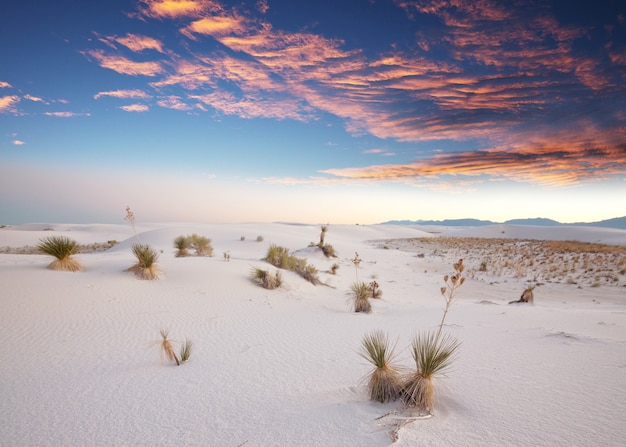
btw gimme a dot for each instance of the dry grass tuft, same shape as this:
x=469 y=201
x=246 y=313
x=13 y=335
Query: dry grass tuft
x=385 y=381
x=62 y=248
x=167 y=349
x=360 y=293
x=265 y=279
x=433 y=356
x=146 y=267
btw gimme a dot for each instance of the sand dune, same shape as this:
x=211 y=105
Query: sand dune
x=81 y=365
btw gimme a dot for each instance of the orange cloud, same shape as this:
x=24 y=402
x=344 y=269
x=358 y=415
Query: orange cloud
x=4 y=84
x=215 y=26
x=173 y=102
x=139 y=43
x=177 y=8
x=123 y=94
x=125 y=66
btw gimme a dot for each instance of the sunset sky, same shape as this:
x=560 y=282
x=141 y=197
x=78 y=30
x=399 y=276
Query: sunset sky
x=319 y=111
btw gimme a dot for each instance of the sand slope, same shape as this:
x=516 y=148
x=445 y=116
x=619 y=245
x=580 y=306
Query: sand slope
x=275 y=368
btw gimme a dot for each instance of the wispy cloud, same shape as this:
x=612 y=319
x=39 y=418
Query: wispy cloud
x=123 y=65
x=133 y=94
x=138 y=43
x=135 y=108
x=18 y=142
x=4 y=84
x=7 y=103
x=65 y=114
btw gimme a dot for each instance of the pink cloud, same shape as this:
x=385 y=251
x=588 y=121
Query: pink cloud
x=138 y=43
x=65 y=114
x=4 y=84
x=123 y=94
x=135 y=108
x=18 y=142
x=7 y=103
x=125 y=66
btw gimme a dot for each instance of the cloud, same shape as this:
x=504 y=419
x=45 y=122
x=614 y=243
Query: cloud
x=138 y=43
x=7 y=103
x=18 y=142
x=172 y=9
x=125 y=66
x=66 y=114
x=123 y=94
x=4 y=84
x=215 y=26
x=33 y=98
x=173 y=102
x=135 y=108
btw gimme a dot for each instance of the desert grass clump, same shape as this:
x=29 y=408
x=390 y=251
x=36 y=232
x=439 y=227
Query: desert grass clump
x=265 y=279
x=360 y=294
x=202 y=245
x=145 y=267
x=374 y=289
x=527 y=296
x=62 y=248
x=185 y=350
x=334 y=268
x=167 y=349
x=279 y=257
x=385 y=381
x=182 y=245
x=433 y=356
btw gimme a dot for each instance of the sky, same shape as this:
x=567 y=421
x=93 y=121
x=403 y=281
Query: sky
x=317 y=111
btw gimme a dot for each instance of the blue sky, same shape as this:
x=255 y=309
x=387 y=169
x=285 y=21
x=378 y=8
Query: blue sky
x=358 y=111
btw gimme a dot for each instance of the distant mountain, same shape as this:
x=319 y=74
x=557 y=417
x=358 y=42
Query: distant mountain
x=446 y=223
x=539 y=221
x=618 y=222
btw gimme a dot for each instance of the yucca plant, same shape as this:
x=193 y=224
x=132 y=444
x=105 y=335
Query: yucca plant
x=146 y=267
x=62 y=248
x=266 y=279
x=277 y=256
x=360 y=294
x=185 y=350
x=433 y=356
x=202 y=245
x=182 y=245
x=385 y=381
x=167 y=349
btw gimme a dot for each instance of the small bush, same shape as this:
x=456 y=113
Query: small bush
x=185 y=350
x=279 y=257
x=62 y=248
x=265 y=279
x=334 y=268
x=182 y=244
x=202 y=245
x=360 y=294
x=259 y=238
x=167 y=349
x=385 y=381
x=433 y=356
x=146 y=267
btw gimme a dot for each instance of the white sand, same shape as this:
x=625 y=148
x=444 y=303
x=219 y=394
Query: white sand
x=281 y=367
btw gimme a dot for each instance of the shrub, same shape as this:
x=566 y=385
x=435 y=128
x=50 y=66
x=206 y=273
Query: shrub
x=385 y=381
x=328 y=250
x=146 y=267
x=182 y=244
x=432 y=355
x=334 y=268
x=360 y=294
x=62 y=248
x=202 y=245
x=266 y=279
x=279 y=257
x=259 y=238
x=374 y=289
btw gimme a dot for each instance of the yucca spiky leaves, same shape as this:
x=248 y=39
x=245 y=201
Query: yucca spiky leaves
x=433 y=355
x=62 y=248
x=384 y=381
x=360 y=294
x=146 y=267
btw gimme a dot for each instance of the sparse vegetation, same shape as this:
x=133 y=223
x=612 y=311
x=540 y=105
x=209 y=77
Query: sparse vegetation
x=259 y=238
x=167 y=349
x=145 y=267
x=360 y=293
x=62 y=248
x=185 y=350
x=182 y=244
x=432 y=356
x=374 y=289
x=265 y=279
x=202 y=245
x=385 y=381
x=334 y=268
x=279 y=257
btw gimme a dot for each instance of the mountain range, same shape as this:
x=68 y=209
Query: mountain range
x=617 y=222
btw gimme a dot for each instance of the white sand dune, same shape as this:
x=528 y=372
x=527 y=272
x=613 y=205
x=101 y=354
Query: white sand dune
x=80 y=365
